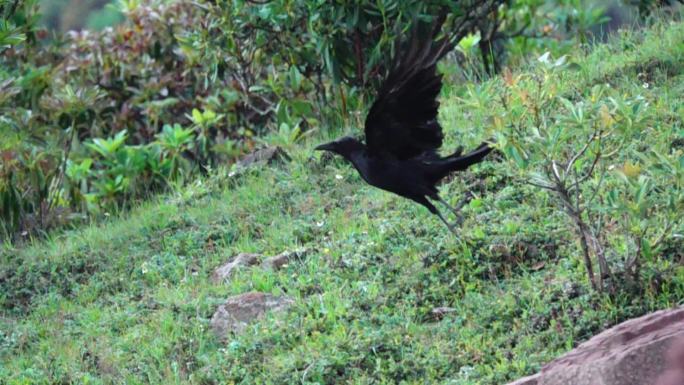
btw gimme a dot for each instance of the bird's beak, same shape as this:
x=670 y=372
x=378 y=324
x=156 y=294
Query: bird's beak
x=325 y=147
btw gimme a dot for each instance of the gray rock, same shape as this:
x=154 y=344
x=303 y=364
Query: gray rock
x=268 y=155
x=439 y=312
x=223 y=272
x=277 y=262
x=241 y=310
x=281 y=260
x=632 y=353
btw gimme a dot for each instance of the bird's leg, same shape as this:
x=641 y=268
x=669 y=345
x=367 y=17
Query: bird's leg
x=449 y=225
x=456 y=210
x=425 y=202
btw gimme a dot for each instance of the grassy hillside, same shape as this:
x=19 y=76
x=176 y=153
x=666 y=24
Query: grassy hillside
x=129 y=301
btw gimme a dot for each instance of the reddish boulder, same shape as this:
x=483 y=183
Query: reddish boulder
x=675 y=365
x=632 y=353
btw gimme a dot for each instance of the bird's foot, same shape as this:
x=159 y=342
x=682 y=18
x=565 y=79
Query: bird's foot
x=457 y=210
x=450 y=226
x=459 y=219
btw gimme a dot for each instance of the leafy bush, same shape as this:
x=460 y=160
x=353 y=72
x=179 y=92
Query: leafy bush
x=571 y=149
x=182 y=86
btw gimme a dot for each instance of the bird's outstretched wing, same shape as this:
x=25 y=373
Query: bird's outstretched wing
x=402 y=122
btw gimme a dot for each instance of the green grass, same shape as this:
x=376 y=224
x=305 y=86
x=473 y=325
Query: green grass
x=129 y=301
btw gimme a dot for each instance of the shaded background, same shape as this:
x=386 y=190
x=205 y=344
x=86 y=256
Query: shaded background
x=66 y=15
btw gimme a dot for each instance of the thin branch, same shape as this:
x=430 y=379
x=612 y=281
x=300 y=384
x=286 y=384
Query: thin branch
x=577 y=193
x=556 y=174
x=591 y=169
x=595 y=161
x=581 y=152
x=598 y=187
x=472 y=15
x=547 y=187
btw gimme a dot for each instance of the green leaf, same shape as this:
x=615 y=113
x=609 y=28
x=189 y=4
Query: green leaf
x=197 y=116
x=209 y=115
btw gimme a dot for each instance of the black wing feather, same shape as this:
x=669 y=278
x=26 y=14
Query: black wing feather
x=402 y=122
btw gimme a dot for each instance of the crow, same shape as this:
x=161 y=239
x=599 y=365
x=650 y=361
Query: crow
x=402 y=132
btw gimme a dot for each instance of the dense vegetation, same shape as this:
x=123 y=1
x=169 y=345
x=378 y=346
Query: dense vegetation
x=591 y=169
x=93 y=121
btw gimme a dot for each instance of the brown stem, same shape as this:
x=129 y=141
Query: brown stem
x=585 y=252
x=583 y=229
x=359 y=57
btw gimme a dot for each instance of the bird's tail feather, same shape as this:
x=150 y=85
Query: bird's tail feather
x=463 y=162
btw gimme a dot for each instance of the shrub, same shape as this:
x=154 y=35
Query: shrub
x=571 y=149
x=94 y=120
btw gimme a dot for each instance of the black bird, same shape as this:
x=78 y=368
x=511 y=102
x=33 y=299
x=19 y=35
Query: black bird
x=402 y=132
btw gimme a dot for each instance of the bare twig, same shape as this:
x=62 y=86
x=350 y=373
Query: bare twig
x=551 y=188
x=580 y=153
x=556 y=174
x=598 y=186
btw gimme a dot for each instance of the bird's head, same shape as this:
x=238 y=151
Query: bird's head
x=343 y=146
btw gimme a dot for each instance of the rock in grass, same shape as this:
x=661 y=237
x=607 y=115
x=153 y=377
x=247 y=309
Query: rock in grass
x=281 y=260
x=268 y=155
x=277 y=262
x=241 y=310
x=632 y=353
x=440 y=312
x=223 y=272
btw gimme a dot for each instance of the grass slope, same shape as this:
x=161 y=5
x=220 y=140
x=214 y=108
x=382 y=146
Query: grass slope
x=129 y=301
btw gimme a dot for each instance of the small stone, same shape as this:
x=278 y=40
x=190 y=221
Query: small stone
x=443 y=310
x=439 y=312
x=281 y=260
x=223 y=272
x=241 y=310
x=268 y=155
x=277 y=262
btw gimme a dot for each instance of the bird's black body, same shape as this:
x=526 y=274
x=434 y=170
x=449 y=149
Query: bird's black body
x=402 y=132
